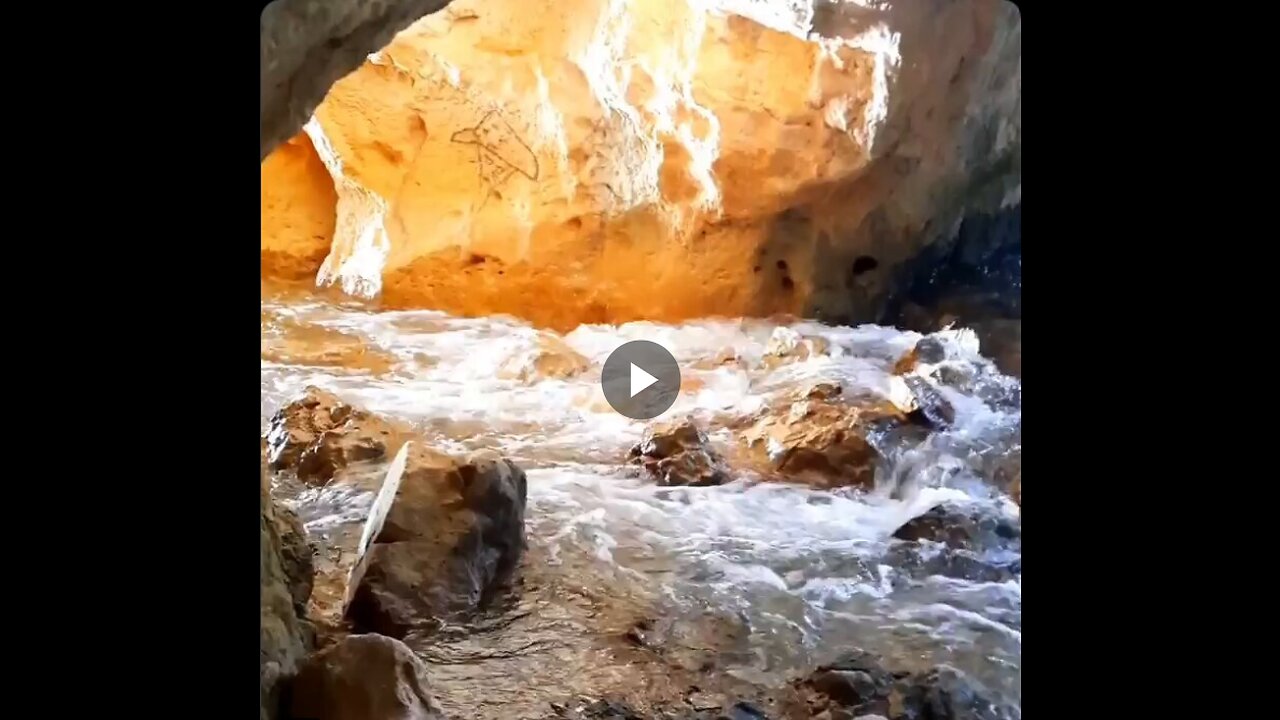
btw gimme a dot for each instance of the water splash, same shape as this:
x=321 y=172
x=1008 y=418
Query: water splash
x=785 y=576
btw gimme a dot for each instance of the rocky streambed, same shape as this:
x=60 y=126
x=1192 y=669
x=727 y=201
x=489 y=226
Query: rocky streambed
x=826 y=524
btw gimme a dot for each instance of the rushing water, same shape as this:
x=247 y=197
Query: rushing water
x=643 y=591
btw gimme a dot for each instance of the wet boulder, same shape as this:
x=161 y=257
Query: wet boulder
x=945 y=693
x=284 y=581
x=856 y=682
x=363 y=677
x=961 y=541
x=914 y=562
x=820 y=438
x=914 y=389
x=786 y=345
x=959 y=527
x=442 y=537
x=679 y=453
x=318 y=435
x=859 y=685
x=926 y=351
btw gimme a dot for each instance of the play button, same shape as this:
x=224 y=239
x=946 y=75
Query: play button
x=640 y=380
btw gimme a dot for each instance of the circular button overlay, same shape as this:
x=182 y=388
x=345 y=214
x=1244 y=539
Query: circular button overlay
x=640 y=380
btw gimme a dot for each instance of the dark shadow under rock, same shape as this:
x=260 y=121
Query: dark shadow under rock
x=443 y=536
x=679 y=453
x=363 y=677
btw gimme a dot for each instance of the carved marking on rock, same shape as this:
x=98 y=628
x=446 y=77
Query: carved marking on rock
x=500 y=152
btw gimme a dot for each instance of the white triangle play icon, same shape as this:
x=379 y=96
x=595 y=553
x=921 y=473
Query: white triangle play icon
x=640 y=380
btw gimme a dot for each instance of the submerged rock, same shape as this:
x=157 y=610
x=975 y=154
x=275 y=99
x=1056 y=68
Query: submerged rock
x=945 y=693
x=552 y=358
x=787 y=345
x=917 y=395
x=959 y=527
x=284 y=577
x=858 y=685
x=820 y=439
x=363 y=677
x=442 y=537
x=679 y=453
x=289 y=341
x=856 y=680
x=966 y=542
x=318 y=434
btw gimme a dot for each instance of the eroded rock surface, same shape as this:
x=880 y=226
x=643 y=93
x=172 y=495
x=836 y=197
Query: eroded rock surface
x=652 y=159
x=679 y=453
x=820 y=438
x=285 y=582
x=363 y=677
x=318 y=435
x=451 y=533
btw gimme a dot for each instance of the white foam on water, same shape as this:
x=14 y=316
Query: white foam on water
x=799 y=555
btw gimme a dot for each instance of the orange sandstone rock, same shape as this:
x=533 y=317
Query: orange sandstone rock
x=298 y=211
x=597 y=161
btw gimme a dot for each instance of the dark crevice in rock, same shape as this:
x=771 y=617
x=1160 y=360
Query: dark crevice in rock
x=972 y=280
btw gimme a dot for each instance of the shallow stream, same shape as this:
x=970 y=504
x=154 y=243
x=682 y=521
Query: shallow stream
x=670 y=595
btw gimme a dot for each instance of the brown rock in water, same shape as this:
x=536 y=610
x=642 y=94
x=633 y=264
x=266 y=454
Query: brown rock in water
x=284 y=577
x=364 y=677
x=552 y=358
x=786 y=345
x=442 y=536
x=924 y=403
x=319 y=434
x=820 y=438
x=679 y=453
x=1016 y=490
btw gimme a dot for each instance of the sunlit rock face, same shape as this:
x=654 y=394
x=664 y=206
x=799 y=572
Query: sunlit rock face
x=297 y=211
x=611 y=160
